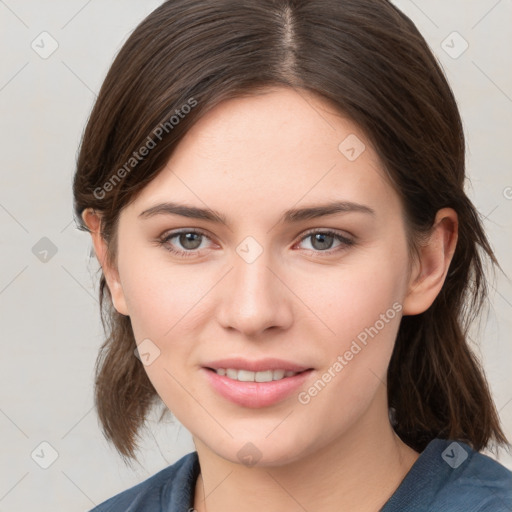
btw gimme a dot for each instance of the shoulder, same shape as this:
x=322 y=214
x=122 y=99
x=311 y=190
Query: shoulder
x=450 y=476
x=475 y=480
x=172 y=488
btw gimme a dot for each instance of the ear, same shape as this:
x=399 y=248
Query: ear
x=93 y=221
x=430 y=268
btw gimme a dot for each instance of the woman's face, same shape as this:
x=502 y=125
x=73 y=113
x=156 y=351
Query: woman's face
x=270 y=289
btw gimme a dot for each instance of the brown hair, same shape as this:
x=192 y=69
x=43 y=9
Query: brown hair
x=367 y=59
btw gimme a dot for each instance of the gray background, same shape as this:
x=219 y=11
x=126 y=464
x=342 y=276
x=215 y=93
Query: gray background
x=48 y=300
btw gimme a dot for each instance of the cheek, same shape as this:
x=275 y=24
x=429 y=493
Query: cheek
x=364 y=310
x=363 y=307
x=159 y=294
x=357 y=295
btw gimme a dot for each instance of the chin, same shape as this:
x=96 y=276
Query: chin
x=258 y=450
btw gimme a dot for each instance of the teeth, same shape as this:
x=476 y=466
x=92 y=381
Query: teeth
x=279 y=374
x=266 y=376
x=248 y=376
x=232 y=374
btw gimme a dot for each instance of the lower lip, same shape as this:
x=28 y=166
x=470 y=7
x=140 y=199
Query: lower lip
x=255 y=394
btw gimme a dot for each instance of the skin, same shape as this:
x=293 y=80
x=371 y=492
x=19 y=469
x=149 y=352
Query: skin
x=251 y=159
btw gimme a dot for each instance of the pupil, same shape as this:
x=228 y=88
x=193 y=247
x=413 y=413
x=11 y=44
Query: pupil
x=321 y=237
x=189 y=240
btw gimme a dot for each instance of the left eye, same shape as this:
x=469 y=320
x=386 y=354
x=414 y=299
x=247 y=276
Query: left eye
x=322 y=241
x=187 y=239
x=190 y=241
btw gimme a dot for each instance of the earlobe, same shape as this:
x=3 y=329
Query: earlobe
x=434 y=258
x=93 y=221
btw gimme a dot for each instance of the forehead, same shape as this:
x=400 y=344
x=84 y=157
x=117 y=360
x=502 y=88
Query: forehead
x=276 y=149
x=276 y=123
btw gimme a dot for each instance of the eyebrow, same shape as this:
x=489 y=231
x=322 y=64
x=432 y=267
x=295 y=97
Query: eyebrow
x=290 y=216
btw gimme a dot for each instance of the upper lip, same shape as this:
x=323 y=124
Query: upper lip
x=256 y=365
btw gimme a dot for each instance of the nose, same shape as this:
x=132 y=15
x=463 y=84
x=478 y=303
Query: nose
x=254 y=297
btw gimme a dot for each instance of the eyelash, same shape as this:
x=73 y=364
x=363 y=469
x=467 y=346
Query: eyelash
x=164 y=241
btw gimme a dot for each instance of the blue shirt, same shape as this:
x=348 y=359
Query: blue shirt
x=448 y=476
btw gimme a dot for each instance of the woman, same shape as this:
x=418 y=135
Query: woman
x=274 y=191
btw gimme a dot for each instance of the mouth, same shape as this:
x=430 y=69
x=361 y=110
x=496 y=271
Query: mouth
x=255 y=384
x=250 y=376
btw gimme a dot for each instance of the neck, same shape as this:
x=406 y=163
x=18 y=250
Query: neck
x=358 y=471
